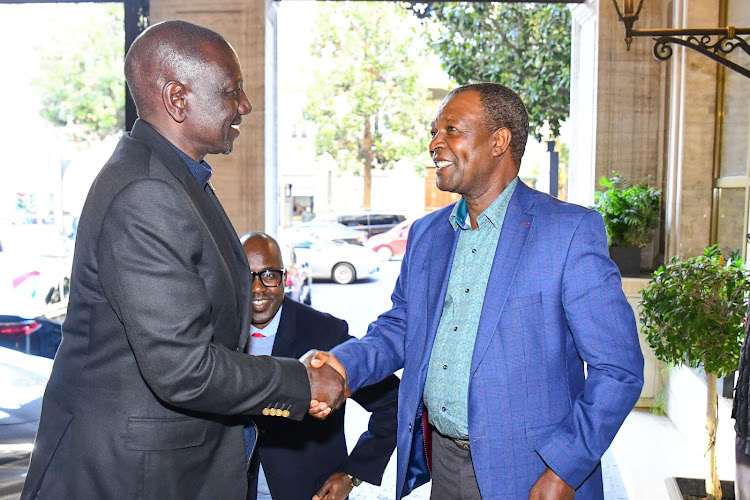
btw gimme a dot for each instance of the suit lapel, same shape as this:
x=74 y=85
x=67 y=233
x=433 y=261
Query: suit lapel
x=283 y=344
x=515 y=232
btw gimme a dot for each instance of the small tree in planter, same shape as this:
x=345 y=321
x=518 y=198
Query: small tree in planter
x=630 y=214
x=692 y=312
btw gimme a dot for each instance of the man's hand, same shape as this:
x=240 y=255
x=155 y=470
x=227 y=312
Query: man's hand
x=336 y=487
x=549 y=486
x=327 y=387
x=319 y=358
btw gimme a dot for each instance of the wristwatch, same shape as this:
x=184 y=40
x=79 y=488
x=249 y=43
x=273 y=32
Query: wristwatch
x=355 y=480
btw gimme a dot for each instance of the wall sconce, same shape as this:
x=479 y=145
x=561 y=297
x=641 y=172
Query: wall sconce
x=699 y=39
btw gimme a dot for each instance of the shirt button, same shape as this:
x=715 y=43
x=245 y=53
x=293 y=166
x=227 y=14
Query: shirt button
x=467 y=290
x=455 y=328
x=443 y=408
x=473 y=250
x=410 y=427
x=445 y=367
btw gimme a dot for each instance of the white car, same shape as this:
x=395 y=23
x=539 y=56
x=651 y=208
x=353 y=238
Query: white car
x=23 y=379
x=312 y=232
x=341 y=262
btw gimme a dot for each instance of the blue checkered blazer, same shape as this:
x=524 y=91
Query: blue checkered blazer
x=554 y=303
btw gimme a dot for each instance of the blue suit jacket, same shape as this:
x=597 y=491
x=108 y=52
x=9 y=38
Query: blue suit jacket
x=554 y=301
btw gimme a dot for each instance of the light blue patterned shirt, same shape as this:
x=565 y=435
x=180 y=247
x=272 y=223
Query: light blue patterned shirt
x=446 y=392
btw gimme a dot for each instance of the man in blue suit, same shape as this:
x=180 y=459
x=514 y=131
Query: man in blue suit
x=520 y=353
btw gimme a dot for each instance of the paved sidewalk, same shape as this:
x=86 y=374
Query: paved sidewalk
x=649 y=448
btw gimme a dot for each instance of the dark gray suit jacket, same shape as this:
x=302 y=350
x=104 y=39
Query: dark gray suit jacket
x=150 y=379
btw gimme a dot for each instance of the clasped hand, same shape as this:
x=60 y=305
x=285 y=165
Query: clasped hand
x=328 y=382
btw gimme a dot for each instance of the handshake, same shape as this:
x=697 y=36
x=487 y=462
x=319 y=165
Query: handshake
x=328 y=382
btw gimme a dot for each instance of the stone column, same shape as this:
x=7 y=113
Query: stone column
x=690 y=132
x=240 y=178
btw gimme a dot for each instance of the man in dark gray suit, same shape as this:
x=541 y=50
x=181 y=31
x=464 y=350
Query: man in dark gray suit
x=150 y=382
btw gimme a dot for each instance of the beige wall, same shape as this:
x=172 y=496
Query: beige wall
x=639 y=116
x=240 y=177
x=690 y=135
x=617 y=104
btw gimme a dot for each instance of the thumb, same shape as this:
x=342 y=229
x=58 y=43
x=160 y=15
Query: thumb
x=319 y=359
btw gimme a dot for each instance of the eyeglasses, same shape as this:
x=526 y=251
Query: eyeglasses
x=269 y=277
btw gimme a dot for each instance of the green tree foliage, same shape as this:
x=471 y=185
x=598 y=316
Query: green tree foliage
x=523 y=46
x=81 y=81
x=693 y=311
x=630 y=213
x=366 y=101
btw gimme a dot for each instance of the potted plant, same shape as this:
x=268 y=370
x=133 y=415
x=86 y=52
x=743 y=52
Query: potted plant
x=630 y=214
x=692 y=312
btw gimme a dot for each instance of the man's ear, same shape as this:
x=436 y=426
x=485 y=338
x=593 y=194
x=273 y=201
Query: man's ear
x=502 y=138
x=174 y=97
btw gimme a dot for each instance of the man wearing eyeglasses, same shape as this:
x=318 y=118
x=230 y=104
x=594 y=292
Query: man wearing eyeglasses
x=307 y=458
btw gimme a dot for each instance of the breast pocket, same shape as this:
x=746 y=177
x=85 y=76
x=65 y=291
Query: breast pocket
x=535 y=321
x=151 y=434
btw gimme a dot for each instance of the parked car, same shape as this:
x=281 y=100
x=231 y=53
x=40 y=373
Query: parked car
x=34 y=281
x=23 y=379
x=371 y=222
x=391 y=243
x=341 y=262
x=298 y=280
x=298 y=284
x=331 y=231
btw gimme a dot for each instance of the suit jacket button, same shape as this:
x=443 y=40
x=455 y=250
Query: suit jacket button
x=409 y=427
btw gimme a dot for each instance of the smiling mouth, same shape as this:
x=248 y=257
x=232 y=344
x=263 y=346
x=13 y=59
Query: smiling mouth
x=442 y=164
x=260 y=302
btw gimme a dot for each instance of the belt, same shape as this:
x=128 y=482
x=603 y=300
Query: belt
x=464 y=444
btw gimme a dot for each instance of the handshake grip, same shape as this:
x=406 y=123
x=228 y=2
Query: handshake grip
x=328 y=382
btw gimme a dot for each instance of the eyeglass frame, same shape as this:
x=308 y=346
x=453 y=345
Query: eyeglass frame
x=253 y=274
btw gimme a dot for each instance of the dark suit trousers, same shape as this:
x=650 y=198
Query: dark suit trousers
x=453 y=475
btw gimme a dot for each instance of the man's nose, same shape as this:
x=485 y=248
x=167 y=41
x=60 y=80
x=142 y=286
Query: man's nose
x=258 y=285
x=245 y=107
x=435 y=144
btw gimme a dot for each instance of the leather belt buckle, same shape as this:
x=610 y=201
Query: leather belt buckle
x=464 y=444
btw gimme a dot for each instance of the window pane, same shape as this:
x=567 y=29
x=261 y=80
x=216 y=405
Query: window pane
x=736 y=126
x=731 y=225
x=736 y=122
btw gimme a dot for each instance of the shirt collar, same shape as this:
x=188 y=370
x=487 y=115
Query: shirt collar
x=459 y=217
x=201 y=171
x=271 y=328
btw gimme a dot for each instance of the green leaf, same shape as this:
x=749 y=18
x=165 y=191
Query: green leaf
x=523 y=46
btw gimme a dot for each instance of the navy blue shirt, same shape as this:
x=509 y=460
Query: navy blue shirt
x=201 y=171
